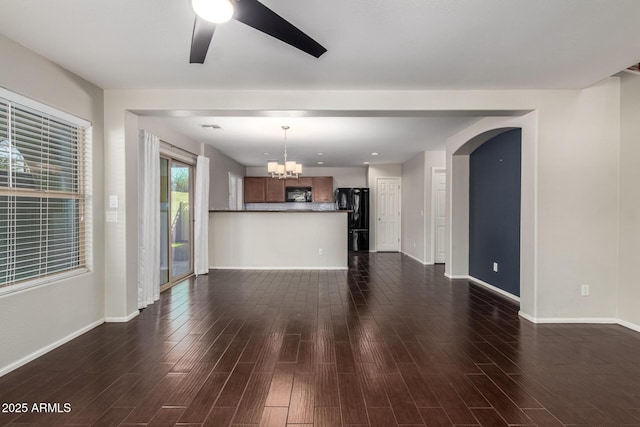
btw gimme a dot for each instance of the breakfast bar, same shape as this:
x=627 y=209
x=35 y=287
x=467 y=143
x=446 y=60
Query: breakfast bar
x=278 y=240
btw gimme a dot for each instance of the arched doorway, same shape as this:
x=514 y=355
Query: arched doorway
x=459 y=149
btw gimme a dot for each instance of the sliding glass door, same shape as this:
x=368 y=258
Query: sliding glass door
x=176 y=244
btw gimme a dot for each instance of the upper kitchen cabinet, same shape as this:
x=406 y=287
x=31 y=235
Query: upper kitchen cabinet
x=299 y=182
x=255 y=189
x=291 y=182
x=274 y=190
x=305 y=182
x=322 y=188
x=258 y=189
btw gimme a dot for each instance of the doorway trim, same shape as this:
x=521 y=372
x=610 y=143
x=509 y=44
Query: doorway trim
x=183 y=161
x=434 y=203
x=399 y=180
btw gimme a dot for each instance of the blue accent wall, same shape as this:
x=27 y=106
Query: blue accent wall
x=494 y=211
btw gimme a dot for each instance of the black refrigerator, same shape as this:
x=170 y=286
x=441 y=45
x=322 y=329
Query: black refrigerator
x=355 y=200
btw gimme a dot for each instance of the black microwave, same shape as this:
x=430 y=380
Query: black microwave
x=298 y=194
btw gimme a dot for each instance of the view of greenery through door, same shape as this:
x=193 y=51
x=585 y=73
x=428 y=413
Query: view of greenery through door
x=175 y=219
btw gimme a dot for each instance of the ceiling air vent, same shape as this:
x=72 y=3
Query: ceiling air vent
x=212 y=127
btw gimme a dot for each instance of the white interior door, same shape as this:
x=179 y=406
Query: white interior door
x=439 y=195
x=388 y=215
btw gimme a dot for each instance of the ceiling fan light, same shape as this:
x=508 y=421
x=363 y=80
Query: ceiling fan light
x=217 y=11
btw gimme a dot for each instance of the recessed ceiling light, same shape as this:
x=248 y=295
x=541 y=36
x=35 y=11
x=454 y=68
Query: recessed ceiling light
x=366 y=163
x=375 y=153
x=320 y=154
x=266 y=154
x=321 y=163
x=212 y=127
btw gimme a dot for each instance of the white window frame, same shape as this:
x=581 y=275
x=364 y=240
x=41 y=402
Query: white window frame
x=82 y=173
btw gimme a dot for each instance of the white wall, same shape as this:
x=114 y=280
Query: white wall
x=343 y=177
x=569 y=203
x=416 y=204
x=412 y=210
x=166 y=134
x=278 y=240
x=629 y=251
x=219 y=169
x=432 y=159
x=578 y=155
x=39 y=319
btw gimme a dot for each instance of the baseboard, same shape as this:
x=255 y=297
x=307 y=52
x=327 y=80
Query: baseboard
x=212 y=267
x=122 y=319
x=629 y=325
x=483 y=284
x=527 y=317
x=593 y=320
x=414 y=258
x=15 y=365
x=494 y=289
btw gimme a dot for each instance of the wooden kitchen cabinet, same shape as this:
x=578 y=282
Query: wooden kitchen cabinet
x=322 y=189
x=305 y=182
x=290 y=182
x=255 y=189
x=299 y=182
x=259 y=189
x=274 y=190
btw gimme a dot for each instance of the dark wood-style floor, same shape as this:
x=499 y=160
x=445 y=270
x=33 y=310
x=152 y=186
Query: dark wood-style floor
x=390 y=342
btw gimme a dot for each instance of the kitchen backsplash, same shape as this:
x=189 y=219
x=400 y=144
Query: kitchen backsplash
x=302 y=206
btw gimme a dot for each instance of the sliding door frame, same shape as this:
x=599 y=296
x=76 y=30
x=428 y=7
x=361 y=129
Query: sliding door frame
x=175 y=280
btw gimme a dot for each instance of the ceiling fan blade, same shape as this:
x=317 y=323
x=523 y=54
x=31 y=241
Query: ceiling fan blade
x=200 y=40
x=256 y=15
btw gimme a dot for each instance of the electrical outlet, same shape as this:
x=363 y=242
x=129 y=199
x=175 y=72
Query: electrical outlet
x=320 y=251
x=495 y=267
x=584 y=290
x=111 y=216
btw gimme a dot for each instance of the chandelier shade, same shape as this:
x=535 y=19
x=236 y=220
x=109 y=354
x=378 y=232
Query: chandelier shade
x=289 y=168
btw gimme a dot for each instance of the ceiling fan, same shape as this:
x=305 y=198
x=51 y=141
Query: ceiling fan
x=249 y=12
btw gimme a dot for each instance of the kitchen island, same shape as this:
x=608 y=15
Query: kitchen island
x=278 y=240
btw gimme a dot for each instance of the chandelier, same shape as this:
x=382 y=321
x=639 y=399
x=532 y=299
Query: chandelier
x=287 y=170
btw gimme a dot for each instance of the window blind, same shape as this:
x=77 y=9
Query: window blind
x=44 y=189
